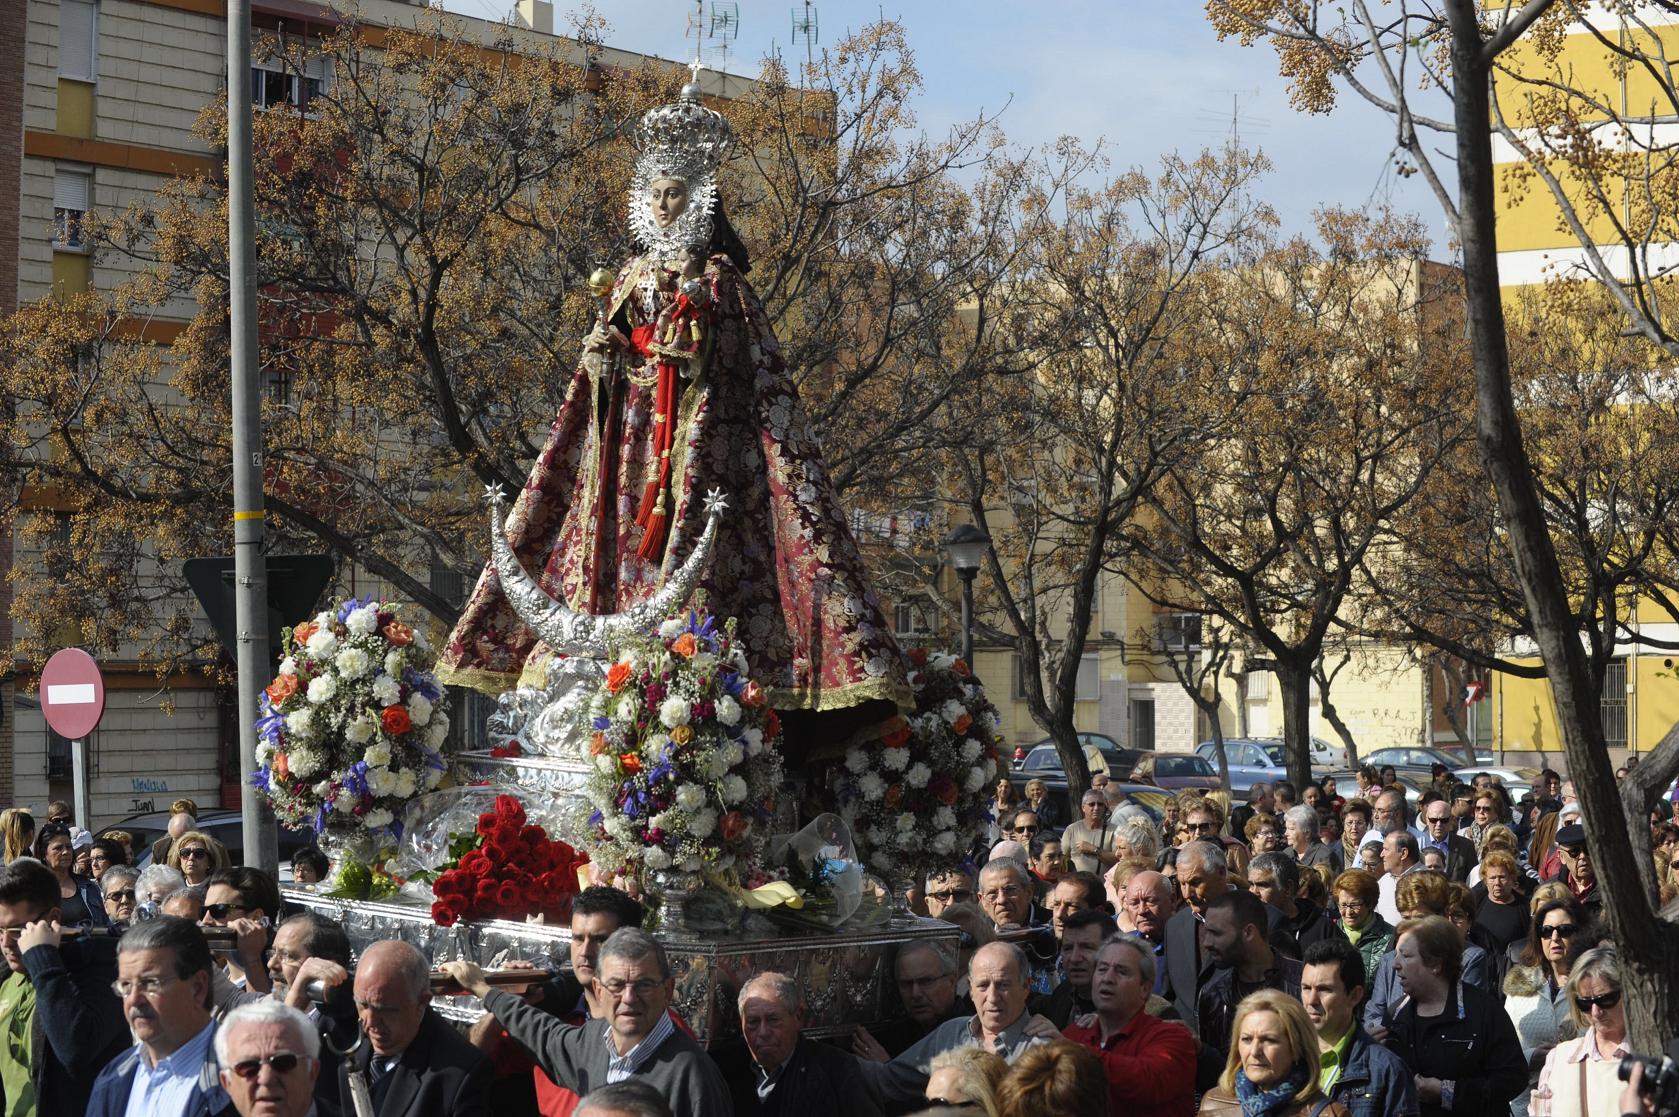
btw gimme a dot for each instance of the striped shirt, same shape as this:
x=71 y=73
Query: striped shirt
x=620 y=1067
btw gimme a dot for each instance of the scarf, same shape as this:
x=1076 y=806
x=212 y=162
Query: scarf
x=1261 y=1103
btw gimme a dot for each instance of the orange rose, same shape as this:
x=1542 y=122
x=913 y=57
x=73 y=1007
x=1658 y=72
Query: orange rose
x=918 y=656
x=617 y=676
x=734 y=824
x=752 y=696
x=395 y=720
x=898 y=736
x=282 y=688
x=962 y=724
x=682 y=734
x=282 y=766
x=684 y=644
x=960 y=667
x=398 y=634
x=631 y=762
x=598 y=745
x=300 y=635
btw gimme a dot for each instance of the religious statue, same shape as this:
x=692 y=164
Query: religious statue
x=681 y=390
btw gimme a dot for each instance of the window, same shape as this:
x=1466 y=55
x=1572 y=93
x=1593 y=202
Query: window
x=278 y=82
x=1256 y=684
x=71 y=193
x=1087 y=689
x=60 y=768
x=1614 y=702
x=1179 y=631
x=907 y=620
x=78 y=39
x=1142 y=727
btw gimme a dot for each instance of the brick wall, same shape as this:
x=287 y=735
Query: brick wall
x=13 y=32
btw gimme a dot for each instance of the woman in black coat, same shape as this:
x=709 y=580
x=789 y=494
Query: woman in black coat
x=1456 y=1039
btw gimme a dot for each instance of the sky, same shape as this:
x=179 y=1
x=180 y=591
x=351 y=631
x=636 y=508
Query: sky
x=1147 y=77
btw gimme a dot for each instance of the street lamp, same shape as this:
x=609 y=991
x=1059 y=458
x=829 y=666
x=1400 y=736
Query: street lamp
x=966 y=547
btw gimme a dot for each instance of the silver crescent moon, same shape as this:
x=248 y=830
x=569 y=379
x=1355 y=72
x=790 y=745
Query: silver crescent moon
x=586 y=634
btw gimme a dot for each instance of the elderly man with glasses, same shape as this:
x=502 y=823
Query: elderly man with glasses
x=1089 y=843
x=637 y=1039
x=1440 y=828
x=270 y=1058
x=117 y=886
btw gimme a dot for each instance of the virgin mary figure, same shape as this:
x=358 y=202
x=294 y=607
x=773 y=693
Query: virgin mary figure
x=681 y=389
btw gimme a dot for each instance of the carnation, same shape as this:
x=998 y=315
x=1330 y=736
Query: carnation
x=393 y=663
x=871 y=786
x=438 y=731
x=606 y=762
x=431 y=777
x=628 y=707
x=377 y=755
x=361 y=730
x=728 y=710
x=753 y=739
x=419 y=709
x=654 y=857
x=386 y=691
x=876 y=836
x=344 y=804
x=970 y=750
x=323 y=789
x=674 y=712
x=895 y=760
x=702 y=823
x=304 y=762
x=405 y=784
x=734 y=789
x=944 y=842
x=732 y=753
x=918 y=775
x=953 y=711
x=944 y=819
x=702 y=664
x=690 y=797
x=670 y=629
x=377 y=819
x=352 y=663
x=300 y=721
x=323 y=687
x=322 y=644
x=856 y=760
x=976 y=779
x=906 y=822
x=288 y=666
x=363 y=621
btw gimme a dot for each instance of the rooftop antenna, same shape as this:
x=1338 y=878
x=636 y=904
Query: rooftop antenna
x=721 y=24
x=806 y=30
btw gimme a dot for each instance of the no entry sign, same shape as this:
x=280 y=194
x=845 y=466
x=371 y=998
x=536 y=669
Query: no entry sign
x=72 y=693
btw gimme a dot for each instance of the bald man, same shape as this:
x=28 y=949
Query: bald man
x=413 y=1062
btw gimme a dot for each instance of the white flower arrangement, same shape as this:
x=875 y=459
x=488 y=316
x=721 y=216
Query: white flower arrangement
x=916 y=796
x=685 y=771
x=354 y=724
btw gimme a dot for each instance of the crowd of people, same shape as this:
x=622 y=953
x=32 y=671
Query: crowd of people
x=1298 y=956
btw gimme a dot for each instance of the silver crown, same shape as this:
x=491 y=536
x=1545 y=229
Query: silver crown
x=685 y=141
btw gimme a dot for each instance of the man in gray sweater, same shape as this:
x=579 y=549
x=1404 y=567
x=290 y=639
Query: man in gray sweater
x=638 y=1039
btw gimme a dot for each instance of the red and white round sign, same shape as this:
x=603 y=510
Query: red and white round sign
x=72 y=693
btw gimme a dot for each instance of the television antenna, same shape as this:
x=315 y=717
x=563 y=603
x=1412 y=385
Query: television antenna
x=807 y=31
x=720 y=24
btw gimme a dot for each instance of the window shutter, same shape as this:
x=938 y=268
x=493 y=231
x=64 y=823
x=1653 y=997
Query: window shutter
x=77 y=39
x=70 y=190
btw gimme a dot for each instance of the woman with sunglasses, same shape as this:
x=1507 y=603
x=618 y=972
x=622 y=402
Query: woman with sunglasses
x=82 y=904
x=196 y=855
x=1580 y=1075
x=1536 y=988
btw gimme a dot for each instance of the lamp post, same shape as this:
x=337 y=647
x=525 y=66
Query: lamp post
x=966 y=547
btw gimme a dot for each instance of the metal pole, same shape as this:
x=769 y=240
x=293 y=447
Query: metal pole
x=78 y=786
x=967 y=577
x=249 y=569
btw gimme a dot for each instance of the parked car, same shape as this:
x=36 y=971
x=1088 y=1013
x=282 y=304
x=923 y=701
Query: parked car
x=1251 y=759
x=1044 y=763
x=1175 y=771
x=1422 y=760
x=226 y=826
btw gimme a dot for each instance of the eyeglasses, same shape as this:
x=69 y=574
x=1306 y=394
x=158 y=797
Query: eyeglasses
x=120 y=895
x=952 y=896
x=221 y=911
x=1605 y=1001
x=643 y=988
x=1004 y=892
x=1557 y=931
x=195 y=851
x=283 y=1062
x=146 y=986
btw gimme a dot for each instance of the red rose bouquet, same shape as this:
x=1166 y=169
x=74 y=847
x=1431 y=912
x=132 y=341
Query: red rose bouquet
x=506 y=869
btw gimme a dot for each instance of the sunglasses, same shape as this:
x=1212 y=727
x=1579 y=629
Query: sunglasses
x=120 y=895
x=1604 y=1001
x=283 y=1063
x=1557 y=931
x=955 y=896
x=221 y=911
x=195 y=851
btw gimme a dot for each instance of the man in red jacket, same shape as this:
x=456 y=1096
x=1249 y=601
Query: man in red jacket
x=1150 y=1063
